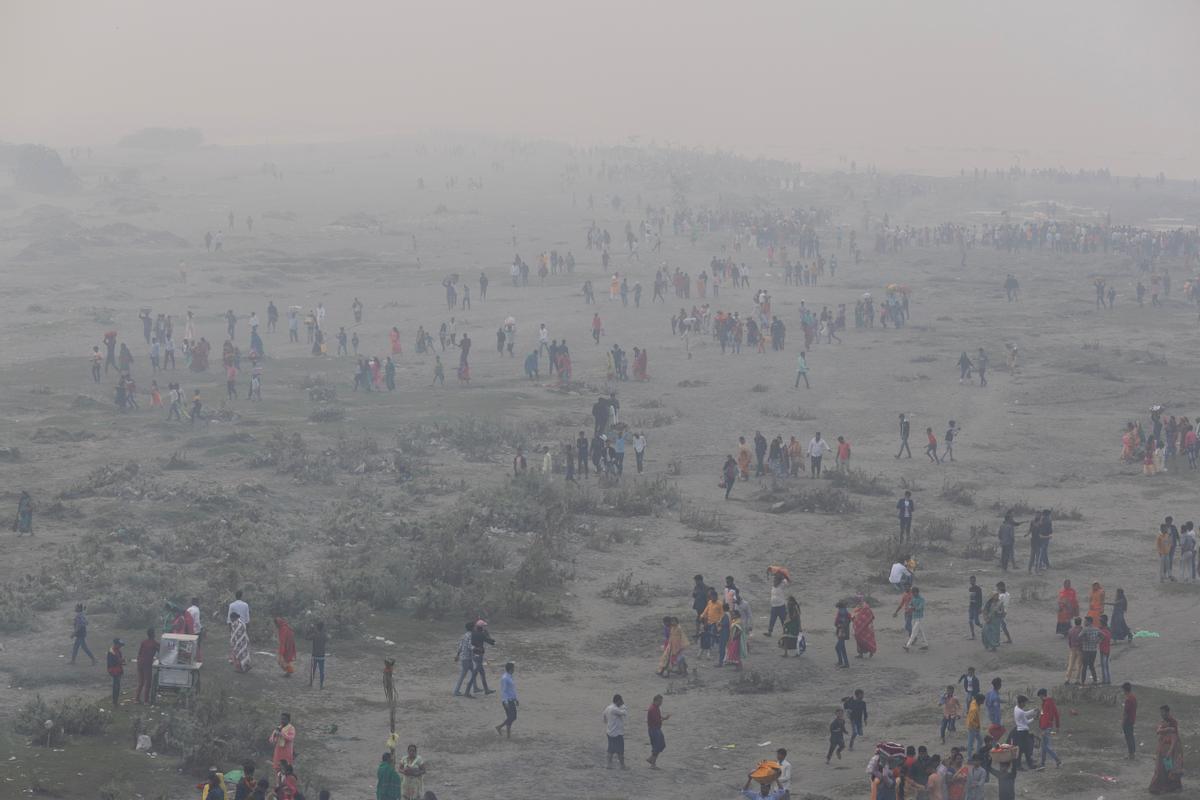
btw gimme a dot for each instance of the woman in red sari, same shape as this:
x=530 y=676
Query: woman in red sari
x=286 y=655
x=395 y=337
x=864 y=630
x=1168 y=757
x=1068 y=608
x=639 y=365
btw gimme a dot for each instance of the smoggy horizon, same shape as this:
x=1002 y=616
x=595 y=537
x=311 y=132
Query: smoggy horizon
x=933 y=88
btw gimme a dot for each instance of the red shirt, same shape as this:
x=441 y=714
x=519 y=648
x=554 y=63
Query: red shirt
x=1130 y=710
x=1049 y=718
x=653 y=718
x=1105 y=641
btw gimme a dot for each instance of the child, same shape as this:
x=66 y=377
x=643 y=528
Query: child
x=155 y=396
x=837 y=735
x=932 y=447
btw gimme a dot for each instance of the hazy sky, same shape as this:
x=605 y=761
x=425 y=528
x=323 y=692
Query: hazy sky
x=1071 y=82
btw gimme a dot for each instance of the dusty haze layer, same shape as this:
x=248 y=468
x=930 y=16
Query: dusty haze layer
x=933 y=87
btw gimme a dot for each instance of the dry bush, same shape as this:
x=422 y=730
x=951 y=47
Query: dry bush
x=626 y=591
x=755 y=682
x=327 y=413
x=935 y=530
x=702 y=519
x=217 y=729
x=981 y=543
x=959 y=493
x=825 y=500
x=760 y=388
x=72 y=716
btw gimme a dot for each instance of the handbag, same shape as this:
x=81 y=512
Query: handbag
x=801 y=643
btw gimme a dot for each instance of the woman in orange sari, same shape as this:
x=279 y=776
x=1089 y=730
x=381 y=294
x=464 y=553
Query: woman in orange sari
x=394 y=335
x=1096 y=602
x=1128 y=442
x=672 y=659
x=1068 y=608
x=743 y=458
x=864 y=631
x=286 y=655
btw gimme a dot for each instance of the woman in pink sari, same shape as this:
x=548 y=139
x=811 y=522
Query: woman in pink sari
x=375 y=374
x=395 y=337
x=639 y=365
x=864 y=631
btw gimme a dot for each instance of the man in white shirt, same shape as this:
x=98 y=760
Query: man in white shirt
x=194 y=612
x=321 y=315
x=239 y=607
x=1022 y=738
x=543 y=338
x=614 y=724
x=639 y=450
x=785 y=772
x=816 y=448
x=1002 y=609
x=779 y=584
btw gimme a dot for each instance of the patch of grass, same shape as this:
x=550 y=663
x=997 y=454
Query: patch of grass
x=1019 y=508
x=760 y=388
x=796 y=414
x=825 y=500
x=704 y=520
x=657 y=420
x=936 y=529
x=626 y=591
x=327 y=413
x=72 y=716
x=178 y=460
x=755 y=682
x=910 y=485
x=958 y=493
x=981 y=543
x=926 y=359
x=858 y=482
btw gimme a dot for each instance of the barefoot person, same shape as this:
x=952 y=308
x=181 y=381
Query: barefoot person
x=654 y=722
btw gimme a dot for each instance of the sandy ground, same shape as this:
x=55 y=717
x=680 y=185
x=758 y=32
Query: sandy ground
x=1046 y=435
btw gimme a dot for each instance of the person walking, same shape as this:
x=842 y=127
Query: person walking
x=917 y=604
x=1007 y=536
x=856 y=707
x=905 y=507
x=904 y=431
x=816 y=448
x=614 y=728
x=931 y=446
x=466 y=661
x=1022 y=737
x=951 y=711
x=729 y=474
x=841 y=627
x=639 y=450
x=508 y=699
x=801 y=372
x=79 y=634
x=654 y=723
x=837 y=735
x=1049 y=723
x=1129 y=717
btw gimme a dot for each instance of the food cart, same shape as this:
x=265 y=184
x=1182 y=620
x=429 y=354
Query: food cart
x=176 y=668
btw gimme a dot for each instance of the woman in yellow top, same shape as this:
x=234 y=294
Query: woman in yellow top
x=1164 y=553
